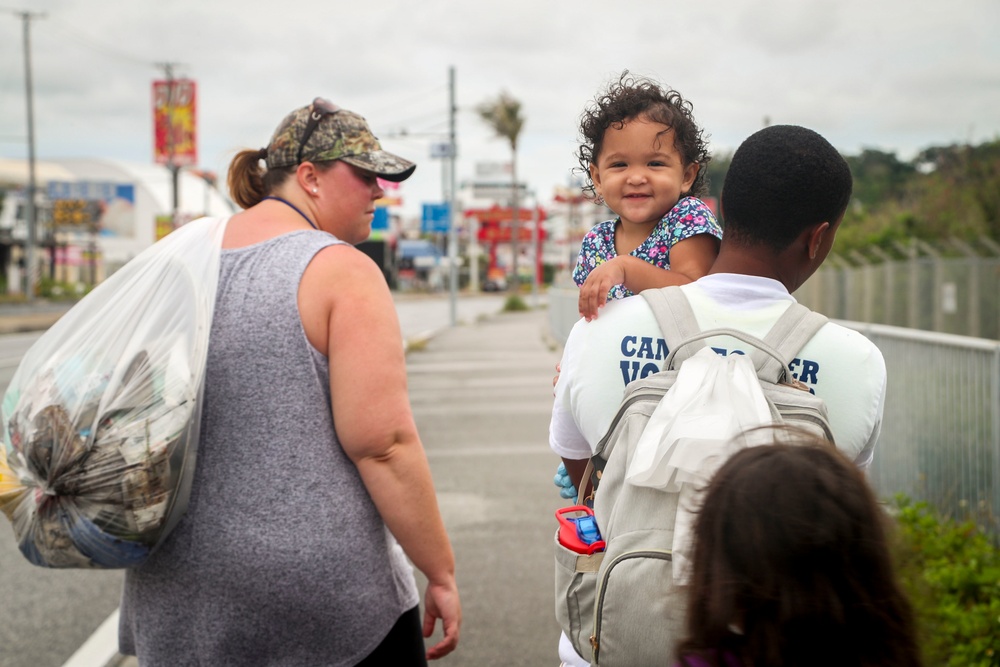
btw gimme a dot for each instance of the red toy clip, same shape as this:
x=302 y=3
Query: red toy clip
x=579 y=533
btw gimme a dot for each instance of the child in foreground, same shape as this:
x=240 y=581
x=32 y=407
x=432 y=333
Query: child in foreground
x=644 y=156
x=792 y=566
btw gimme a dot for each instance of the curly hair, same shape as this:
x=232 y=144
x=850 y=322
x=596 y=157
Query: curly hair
x=631 y=97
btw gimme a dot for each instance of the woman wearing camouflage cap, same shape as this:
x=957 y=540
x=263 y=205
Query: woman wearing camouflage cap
x=310 y=467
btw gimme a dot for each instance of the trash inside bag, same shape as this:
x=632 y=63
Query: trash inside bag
x=101 y=418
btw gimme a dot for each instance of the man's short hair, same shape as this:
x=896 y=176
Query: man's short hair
x=782 y=180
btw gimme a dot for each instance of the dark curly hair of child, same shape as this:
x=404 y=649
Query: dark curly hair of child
x=631 y=97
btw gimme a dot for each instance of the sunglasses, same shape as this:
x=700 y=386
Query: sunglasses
x=320 y=109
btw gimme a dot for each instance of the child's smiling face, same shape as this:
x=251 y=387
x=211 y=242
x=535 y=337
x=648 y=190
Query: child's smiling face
x=640 y=173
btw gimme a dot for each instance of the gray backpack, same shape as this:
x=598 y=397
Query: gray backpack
x=621 y=606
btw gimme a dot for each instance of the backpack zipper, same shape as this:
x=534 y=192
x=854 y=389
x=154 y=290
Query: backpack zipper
x=803 y=416
x=651 y=553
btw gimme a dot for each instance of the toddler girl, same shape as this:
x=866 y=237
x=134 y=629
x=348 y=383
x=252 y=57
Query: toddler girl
x=644 y=156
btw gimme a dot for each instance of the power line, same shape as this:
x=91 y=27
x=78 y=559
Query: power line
x=99 y=47
x=410 y=99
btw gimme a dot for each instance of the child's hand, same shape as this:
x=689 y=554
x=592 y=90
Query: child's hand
x=594 y=292
x=562 y=480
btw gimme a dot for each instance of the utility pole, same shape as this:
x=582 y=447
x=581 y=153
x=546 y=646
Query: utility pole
x=536 y=250
x=31 y=260
x=452 y=199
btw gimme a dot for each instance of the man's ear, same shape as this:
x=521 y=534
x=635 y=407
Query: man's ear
x=815 y=238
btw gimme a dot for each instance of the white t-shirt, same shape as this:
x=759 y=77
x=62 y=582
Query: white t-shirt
x=624 y=343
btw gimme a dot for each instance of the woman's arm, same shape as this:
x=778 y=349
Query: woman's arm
x=375 y=424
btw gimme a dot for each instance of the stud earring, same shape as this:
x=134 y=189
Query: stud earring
x=315 y=190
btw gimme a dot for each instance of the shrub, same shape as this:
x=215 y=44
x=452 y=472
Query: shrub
x=57 y=290
x=951 y=572
x=514 y=303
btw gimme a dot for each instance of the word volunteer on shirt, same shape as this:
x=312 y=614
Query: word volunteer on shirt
x=640 y=353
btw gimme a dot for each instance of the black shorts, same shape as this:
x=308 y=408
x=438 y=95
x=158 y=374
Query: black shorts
x=403 y=646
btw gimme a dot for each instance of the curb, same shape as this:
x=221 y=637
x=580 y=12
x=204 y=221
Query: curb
x=420 y=340
x=28 y=322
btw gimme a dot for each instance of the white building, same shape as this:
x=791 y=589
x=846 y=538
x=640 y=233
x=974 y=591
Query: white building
x=94 y=214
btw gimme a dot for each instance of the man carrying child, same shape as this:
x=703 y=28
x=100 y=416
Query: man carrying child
x=784 y=197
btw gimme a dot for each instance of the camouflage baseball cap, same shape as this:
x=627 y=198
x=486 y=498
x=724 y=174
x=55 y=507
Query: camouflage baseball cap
x=323 y=131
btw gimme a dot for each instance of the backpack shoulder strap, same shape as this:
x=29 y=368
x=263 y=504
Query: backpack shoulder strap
x=796 y=327
x=678 y=325
x=676 y=319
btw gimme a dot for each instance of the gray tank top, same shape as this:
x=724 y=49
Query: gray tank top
x=281 y=558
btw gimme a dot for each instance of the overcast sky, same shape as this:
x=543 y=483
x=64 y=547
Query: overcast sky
x=897 y=75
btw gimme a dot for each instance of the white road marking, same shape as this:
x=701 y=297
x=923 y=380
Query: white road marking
x=99 y=648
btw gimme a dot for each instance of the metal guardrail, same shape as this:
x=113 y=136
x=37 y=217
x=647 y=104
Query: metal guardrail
x=940 y=437
x=940 y=440
x=563 y=312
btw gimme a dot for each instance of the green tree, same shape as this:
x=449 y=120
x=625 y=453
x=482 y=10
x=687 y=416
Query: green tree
x=944 y=192
x=503 y=114
x=879 y=177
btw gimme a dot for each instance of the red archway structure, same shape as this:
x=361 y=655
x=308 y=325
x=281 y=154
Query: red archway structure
x=495 y=228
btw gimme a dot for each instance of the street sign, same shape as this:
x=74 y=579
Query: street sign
x=436 y=218
x=494 y=170
x=498 y=191
x=91 y=190
x=442 y=149
x=88 y=206
x=381 y=219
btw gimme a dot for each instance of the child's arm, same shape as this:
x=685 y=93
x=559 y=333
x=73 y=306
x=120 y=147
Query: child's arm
x=690 y=259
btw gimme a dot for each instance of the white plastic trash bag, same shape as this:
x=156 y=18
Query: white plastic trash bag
x=102 y=416
x=704 y=418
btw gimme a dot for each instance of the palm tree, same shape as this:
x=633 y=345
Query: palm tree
x=504 y=115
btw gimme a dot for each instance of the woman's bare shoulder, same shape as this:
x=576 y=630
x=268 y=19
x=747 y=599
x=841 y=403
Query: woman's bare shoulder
x=342 y=279
x=344 y=260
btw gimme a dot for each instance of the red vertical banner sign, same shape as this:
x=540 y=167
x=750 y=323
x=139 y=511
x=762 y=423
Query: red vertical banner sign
x=175 y=123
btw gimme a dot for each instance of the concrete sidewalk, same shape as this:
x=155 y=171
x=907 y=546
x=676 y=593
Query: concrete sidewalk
x=481 y=396
x=18 y=318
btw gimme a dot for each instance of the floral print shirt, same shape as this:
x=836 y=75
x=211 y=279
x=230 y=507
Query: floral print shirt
x=689 y=217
